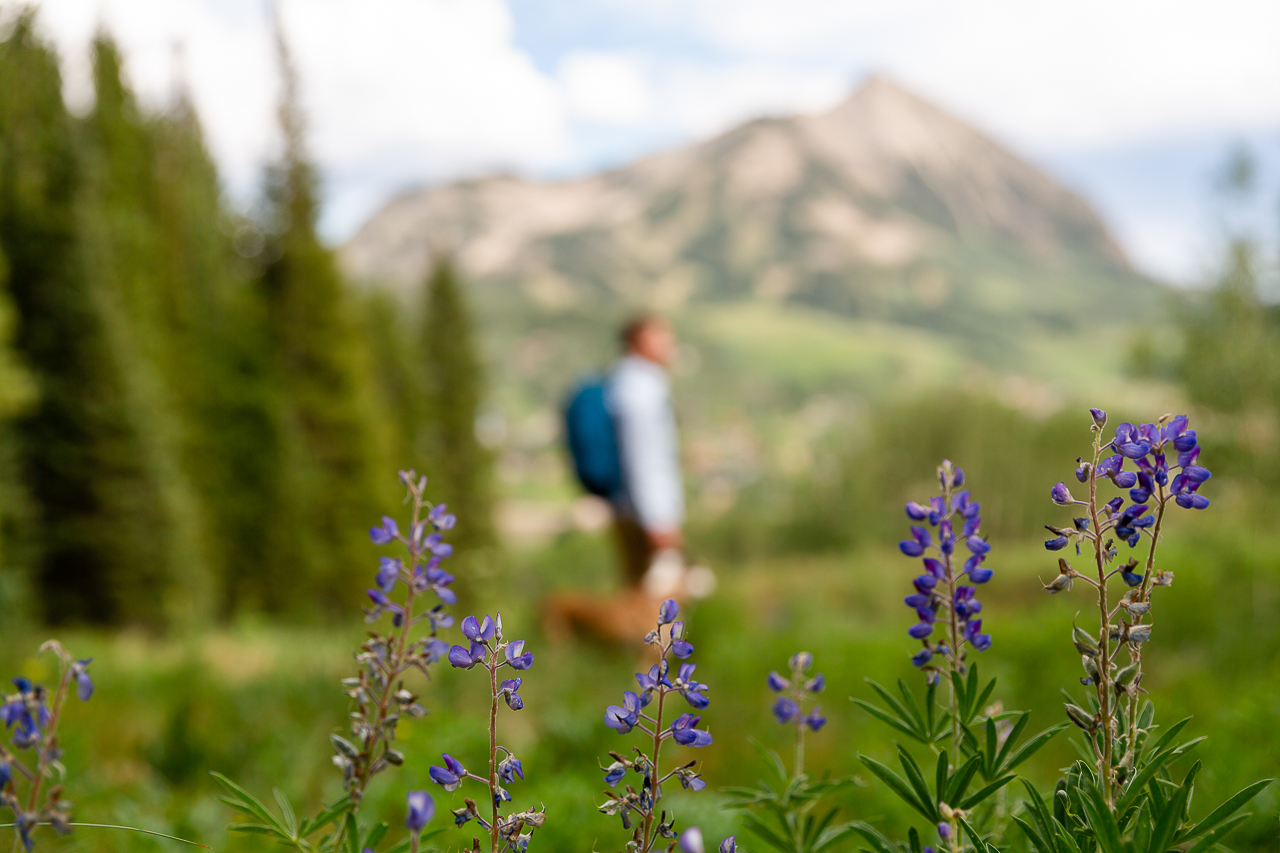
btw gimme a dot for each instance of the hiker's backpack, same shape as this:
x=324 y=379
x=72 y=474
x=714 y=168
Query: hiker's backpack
x=593 y=441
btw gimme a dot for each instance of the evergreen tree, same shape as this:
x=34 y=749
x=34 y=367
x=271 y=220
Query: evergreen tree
x=460 y=468
x=60 y=335
x=17 y=393
x=136 y=265
x=330 y=468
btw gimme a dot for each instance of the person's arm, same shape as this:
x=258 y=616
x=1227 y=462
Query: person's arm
x=650 y=463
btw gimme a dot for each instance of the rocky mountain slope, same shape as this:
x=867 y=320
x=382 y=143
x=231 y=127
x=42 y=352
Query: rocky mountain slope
x=885 y=206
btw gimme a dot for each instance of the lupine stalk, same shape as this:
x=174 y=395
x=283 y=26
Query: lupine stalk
x=1106 y=523
x=789 y=707
x=37 y=728
x=379 y=692
x=668 y=639
x=489 y=650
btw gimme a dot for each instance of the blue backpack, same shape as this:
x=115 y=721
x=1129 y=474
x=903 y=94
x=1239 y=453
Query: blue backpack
x=592 y=438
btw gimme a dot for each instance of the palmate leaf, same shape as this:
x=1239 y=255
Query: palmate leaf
x=959 y=781
x=896 y=714
x=897 y=784
x=242 y=801
x=916 y=778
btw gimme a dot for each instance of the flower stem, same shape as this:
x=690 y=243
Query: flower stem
x=1104 y=641
x=493 y=747
x=650 y=834
x=799 y=745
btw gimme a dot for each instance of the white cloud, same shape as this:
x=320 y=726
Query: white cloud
x=396 y=91
x=605 y=88
x=1071 y=73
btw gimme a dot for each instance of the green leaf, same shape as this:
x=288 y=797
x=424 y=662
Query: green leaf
x=1170 y=817
x=980 y=700
x=758 y=827
x=962 y=695
x=1065 y=840
x=255 y=828
x=375 y=835
x=1218 y=834
x=960 y=780
x=973 y=799
x=1010 y=742
x=830 y=836
x=1225 y=810
x=1142 y=827
x=897 y=784
x=352 y=835
x=873 y=837
x=248 y=803
x=909 y=702
x=1100 y=819
x=1040 y=845
x=1031 y=747
x=916 y=778
x=1146 y=774
x=940 y=776
x=286 y=811
x=895 y=705
x=886 y=717
x=1170 y=734
x=772 y=759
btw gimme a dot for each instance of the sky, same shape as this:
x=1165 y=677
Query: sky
x=1134 y=103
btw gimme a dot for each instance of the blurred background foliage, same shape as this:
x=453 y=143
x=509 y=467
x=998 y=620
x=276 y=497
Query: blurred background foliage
x=201 y=416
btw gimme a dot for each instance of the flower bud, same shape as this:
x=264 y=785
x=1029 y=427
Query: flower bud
x=1081 y=717
x=1099 y=417
x=1060 y=495
x=1061 y=583
x=1126 y=675
x=1084 y=643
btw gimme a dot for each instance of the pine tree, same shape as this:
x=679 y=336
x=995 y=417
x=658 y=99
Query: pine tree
x=460 y=468
x=17 y=394
x=330 y=465
x=155 y=542
x=60 y=335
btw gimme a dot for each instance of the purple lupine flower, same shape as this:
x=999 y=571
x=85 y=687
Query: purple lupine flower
x=442 y=519
x=1061 y=495
x=815 y=720
x=510 y=768
x=691 y=840
x=922 y=657
x=977 y=545
x=685 y=733
x=1057 y=543
x=729 y=845
x=509 y=694
x=388 y=573
x=421 y=809
x=680 y=647
x=614 y=773
x=465 y=658
x=1099 y=417
x=385 y=534
x=816 y=684
x=668 y=611
x=777 y=683
x=517 y=657
x=944 y=830
x=785 y=710
x=920 y=539
x=84 y=684
x=623 y=718
x=383 y=603
x=477 y=631
x=916 y=512
x=450 y=775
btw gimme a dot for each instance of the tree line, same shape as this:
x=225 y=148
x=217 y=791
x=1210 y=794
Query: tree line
x=198 y=414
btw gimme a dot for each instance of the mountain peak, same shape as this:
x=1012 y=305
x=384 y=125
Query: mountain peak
x=843 y=208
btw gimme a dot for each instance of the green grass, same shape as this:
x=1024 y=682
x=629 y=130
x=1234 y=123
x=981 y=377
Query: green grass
x=257 y=702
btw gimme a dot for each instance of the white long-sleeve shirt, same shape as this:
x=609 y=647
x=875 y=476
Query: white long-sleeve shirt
x=639 y=398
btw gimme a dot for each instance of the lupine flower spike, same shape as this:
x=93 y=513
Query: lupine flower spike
x=638 y=810
x=1166 y=472
x=945 y=598
x=489 y=649
x=793 y=693
x=33 y=717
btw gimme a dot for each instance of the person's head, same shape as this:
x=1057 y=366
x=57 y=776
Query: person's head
x=650 y=336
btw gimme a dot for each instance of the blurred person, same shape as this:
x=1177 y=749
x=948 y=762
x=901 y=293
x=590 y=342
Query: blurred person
x=622 y=438
x=649 y=505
